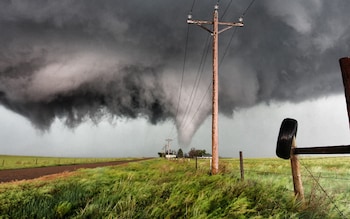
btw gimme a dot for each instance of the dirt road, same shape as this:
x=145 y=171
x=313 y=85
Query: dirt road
x=32 y=173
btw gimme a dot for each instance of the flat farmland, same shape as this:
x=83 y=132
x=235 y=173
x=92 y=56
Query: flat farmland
x=160 y=188
x=18 y=162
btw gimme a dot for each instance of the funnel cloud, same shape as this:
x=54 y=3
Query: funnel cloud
x=93 y=60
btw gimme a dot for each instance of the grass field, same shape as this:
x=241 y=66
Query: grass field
x=16 y=162
x=161 y=188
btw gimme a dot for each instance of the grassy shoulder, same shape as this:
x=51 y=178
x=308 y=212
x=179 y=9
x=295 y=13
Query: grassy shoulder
x=160 y=188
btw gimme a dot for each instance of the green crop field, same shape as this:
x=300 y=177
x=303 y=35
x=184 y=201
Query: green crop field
x=16 y=162
x=160 y=188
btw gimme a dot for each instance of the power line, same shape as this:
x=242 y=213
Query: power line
x=234 y=32
x=250 y=5
x=199 y=106
x=183 y=73
x=197 y=80
x=184 y=122
x=191 y=101
x=196 y=84
x=227 y=7
x=194 y=1
x=195 y=87
x=182 y=79
x=228 y=46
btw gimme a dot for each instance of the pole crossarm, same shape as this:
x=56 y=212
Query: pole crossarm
x=202 y=24
x=199 y=22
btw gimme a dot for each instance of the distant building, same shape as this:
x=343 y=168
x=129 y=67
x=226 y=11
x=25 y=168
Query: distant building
x=170 y=156
x=205 y=156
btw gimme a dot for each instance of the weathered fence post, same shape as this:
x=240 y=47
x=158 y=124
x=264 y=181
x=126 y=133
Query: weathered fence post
x=241 y=165
x=196 y=163
x=210 y=162
x=296 y=174
x=286 y=145
x=286 y=149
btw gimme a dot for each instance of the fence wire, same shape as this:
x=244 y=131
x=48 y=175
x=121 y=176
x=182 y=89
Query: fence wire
x=316 y=178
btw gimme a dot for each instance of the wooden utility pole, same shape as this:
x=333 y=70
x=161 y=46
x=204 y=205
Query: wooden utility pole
x=215 y=96
x=164 y=150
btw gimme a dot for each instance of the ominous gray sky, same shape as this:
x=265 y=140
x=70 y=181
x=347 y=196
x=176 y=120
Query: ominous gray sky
x=103 y=78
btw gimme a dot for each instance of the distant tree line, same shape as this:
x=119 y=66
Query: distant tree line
x=180 y=154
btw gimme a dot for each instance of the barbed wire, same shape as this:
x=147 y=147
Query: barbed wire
x=323 y=190
x=335 y=177
x=310 y=175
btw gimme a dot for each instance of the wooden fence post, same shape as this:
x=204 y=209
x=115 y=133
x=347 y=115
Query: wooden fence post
x=298 y=185
x=210 y=163
x=241 y=165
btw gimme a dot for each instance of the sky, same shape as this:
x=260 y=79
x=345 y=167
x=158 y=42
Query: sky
x=118 y=78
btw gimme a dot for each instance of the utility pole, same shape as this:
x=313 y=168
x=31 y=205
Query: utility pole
x=215 y=94
x=164 y=150
x=168 y=145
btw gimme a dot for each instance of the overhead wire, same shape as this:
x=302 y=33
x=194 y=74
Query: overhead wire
x=182 y=79
x=226 y=9
x=194 y=1
x=225 y=52
x=190 y=103
x=186 y=120
x=249 y=6
x=200 y=105
x=234 y=32
x=197 y=83
x=183 y=72
x=228 y=46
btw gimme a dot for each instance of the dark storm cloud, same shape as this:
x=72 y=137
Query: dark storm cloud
x=80 y=60
x=287 y=51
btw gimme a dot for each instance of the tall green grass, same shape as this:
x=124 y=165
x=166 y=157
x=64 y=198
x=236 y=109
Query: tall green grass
x=167 y=189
